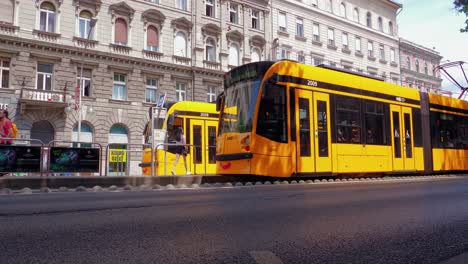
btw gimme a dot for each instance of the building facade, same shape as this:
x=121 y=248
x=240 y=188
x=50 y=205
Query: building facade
x=418 y=67
x=122 y=53
x=357 y=35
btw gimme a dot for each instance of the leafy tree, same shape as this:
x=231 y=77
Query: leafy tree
x=462 y=7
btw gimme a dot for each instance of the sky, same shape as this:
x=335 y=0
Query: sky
x=435 y=23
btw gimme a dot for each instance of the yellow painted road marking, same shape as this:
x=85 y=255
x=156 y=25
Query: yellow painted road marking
x=265 y=257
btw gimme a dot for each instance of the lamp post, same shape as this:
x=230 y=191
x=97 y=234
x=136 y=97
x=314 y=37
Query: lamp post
x=92 y=23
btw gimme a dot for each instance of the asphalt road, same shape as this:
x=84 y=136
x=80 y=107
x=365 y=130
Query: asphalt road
x=410 y=222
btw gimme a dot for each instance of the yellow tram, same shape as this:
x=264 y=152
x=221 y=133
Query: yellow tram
x=289 y=119
x=199 y=123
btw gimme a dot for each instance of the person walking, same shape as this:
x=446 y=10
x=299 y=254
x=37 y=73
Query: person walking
x=181 y=150
x=6 y=128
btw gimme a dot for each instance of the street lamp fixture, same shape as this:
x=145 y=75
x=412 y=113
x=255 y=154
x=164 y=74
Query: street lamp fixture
x=92 y=24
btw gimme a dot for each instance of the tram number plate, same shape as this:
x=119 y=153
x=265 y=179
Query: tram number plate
x=312 y=83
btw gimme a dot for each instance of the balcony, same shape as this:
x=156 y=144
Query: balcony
x=120 y=48
x=8 y=29
x=85 y=43
x=43 y=98
x=181 y=60
x=212 y=65
x=153 y=55
x=46 y=36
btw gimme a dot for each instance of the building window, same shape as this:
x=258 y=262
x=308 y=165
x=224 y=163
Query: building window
x=382 y=52
x=369 y=20
x=408 y=63
x=86 y=135
x=301 y=57
x=180 y=45
x=234 y=55
x=209 y=8
x=390 y=28
x=282 y=22
x=211 y=94
x=317 y=61
x=152 y=39
x=329 y=6
x=356 y=15
x=181 y=90
x=343 y=10
x=84 y=81
x=151 y=90
x=44 y=76
x=181 y=4
x=331 y=37
x=47 y=17
x=425 y=68
x=344 y=40
x=119 y=91
x=233 y=14
x=255 y=55
x=370 y=49
x=121 y=36
x=255 y=24
x=285 y=53
x=316 y=32
x=380 y=24
x=417 y=65
x=392 y=55
x=358 y=44
x=4 y=73
x=210 y=50
x=85 y=25
x=7 y=10
x=299 y=27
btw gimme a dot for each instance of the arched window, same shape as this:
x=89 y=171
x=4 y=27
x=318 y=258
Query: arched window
x=7 y=11
x=47 y=17
x=86 y=134
x=180 y=45
x=369 y=19
x=343 y=10
x=152 y=39
x=425 y=68
x=121 y=35
x=234 y=55
x=417 y=65
x=85 y=24
x=380 y=21
x=390 y=28
x=43 y=131
x=118 y=137
x=118 y=134
x=329 y=5
x=210 y=50
x=356 y=15
x=408 y=63
x=255 y=55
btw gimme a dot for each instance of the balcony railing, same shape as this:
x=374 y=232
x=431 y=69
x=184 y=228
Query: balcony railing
x=7 y=28
x=43 y=97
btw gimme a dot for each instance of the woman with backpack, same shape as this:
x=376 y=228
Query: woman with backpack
x=6 y=128
x=181 y=150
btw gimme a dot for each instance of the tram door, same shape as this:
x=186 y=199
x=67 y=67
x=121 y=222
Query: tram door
x=402 y=138
x=202 y=154
x=312 y=132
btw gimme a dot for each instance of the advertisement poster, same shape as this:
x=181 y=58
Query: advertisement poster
x=74 y=159
x=20 y=158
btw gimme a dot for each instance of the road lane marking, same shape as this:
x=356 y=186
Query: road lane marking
x=460 y=259
x=265 y=257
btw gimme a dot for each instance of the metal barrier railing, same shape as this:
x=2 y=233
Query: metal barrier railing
x=123 y=157
x=165 y=155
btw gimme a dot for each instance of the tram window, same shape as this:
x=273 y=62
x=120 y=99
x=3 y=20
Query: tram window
x=322 y=120
x=449 y=131
x=211 y=144
x=304 y=127
x=417 y=127
x=348 y=119
x=272 y=114
x=396 y=134
x=375 y=123
x=408 y=136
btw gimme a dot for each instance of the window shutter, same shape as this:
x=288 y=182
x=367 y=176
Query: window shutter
x=6 y=11
x=120 y=31
x=152 y=36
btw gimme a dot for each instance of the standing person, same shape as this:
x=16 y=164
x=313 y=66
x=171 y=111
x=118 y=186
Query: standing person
x=181 y=149
x=6 y=128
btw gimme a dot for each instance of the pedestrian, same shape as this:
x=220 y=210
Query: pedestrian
x=6 y=128
x=181 y=150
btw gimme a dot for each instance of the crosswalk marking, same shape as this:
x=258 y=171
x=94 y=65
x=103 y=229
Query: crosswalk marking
x=265 y=257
